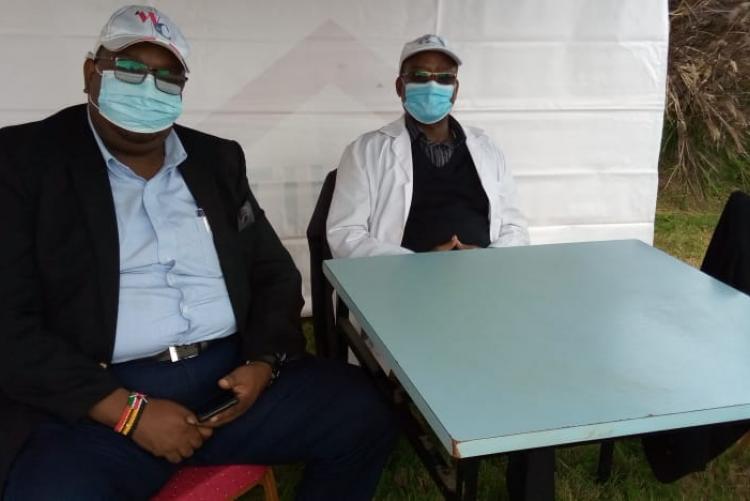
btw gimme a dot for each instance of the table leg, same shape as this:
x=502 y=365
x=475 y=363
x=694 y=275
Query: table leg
x=531 y=475
x=338 y=346
x=604 y=470
x=467 y=473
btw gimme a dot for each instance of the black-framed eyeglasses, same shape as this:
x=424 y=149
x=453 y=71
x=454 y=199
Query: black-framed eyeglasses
x=133 y=71
x=422 y=76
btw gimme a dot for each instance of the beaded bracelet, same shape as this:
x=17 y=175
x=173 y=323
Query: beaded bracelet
x=131 y=414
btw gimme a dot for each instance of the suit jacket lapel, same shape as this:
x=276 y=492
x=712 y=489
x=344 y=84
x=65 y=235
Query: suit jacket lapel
x=91 y=181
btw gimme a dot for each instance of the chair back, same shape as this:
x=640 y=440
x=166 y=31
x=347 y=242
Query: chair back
x=327 y=343
x=728 y=255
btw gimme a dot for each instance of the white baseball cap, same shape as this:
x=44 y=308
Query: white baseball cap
x=134 y=24
x=425 y=43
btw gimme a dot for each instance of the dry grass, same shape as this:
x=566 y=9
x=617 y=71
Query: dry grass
x=708 y=94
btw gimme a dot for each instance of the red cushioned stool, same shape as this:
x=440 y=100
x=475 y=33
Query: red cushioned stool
x=212 y=483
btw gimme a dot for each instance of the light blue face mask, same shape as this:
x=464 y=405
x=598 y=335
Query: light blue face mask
x=139 y=107
x=428 y=102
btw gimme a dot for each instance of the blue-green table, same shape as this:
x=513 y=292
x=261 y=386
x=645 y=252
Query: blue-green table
x=527 y=347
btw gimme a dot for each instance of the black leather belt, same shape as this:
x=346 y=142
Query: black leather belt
x=183 y=352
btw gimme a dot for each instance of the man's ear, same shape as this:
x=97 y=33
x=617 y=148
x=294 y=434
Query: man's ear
x=400 y=87
x=89 y=71
x=455 y=93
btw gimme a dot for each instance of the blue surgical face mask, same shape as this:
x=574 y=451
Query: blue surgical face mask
x=428 y=102
x=140 y=108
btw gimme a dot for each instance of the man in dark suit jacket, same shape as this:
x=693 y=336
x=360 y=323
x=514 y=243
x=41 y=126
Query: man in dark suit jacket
x=140 y=279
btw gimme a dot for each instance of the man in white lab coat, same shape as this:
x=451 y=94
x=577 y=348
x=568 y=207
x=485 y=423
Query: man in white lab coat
x=424 y=182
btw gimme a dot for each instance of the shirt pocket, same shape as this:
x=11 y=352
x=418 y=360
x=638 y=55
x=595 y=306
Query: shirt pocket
x=196 y=251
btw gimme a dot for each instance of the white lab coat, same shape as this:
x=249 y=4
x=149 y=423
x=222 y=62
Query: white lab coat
x=374 y=185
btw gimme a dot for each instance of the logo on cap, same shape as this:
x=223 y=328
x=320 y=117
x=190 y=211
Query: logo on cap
x=429 y=40
x=162 y=28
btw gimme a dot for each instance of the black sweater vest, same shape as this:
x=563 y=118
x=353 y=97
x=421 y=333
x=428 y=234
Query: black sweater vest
x=446 y=201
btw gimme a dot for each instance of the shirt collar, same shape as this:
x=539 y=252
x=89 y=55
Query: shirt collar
x=415 y=133
x=174 y=151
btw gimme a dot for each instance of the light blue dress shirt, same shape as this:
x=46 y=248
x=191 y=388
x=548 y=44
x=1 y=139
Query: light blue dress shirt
x=172 y=289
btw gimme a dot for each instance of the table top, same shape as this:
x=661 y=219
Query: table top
x=524 y=347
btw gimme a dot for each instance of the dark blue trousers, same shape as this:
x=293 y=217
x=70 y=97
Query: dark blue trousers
x=321 y=412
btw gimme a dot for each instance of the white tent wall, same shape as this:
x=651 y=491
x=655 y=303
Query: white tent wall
x=572 y=90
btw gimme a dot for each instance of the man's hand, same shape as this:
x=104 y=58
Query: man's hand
x=449 y=245
x=246 y=382
x=164 y=430
x=454 y=244
x=463 y=246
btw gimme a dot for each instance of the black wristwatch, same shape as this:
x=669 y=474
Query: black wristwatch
x=272 y=359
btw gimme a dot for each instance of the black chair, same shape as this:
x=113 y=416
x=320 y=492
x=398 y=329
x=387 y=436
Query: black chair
x=728 y=255
x=327 y=343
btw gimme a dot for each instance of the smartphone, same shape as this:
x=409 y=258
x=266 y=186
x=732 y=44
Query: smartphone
x=216 y=405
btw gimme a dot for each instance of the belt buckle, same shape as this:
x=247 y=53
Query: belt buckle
x=177 y=353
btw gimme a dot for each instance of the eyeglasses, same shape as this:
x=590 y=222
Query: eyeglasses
x=421 y=76
x=134 y=71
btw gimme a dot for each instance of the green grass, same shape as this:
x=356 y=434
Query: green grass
x=683 y=229
x=684 y=224
x=684 y=234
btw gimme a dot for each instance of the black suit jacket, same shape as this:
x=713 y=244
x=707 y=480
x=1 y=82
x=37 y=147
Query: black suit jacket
x=59 y=267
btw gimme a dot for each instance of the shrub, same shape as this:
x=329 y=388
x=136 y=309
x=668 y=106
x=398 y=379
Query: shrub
x=706 y=133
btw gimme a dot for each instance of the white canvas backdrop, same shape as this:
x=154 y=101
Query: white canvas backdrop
x=572 y=91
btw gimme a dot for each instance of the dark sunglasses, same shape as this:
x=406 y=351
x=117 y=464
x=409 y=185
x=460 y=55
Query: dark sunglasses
x=421 y=76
